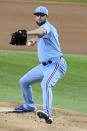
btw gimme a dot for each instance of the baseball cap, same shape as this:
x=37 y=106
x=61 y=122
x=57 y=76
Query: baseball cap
x=41 y=10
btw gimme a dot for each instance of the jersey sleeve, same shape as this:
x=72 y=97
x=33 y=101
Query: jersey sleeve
x=45 y=26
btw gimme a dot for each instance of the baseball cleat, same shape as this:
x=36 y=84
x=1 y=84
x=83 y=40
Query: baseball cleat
x=49 y=120
x=42 y=114
x=23 y=109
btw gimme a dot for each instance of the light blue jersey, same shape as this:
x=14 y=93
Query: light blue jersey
x=48 y=45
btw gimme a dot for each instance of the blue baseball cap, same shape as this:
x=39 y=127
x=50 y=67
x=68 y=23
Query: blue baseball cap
x=41 y=10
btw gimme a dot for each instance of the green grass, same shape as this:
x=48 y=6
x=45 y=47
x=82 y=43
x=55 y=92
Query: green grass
x=69 y=93
x=76 y=1
x=80 y=1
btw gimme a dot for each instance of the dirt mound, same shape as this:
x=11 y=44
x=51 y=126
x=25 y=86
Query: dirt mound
x=63 y=120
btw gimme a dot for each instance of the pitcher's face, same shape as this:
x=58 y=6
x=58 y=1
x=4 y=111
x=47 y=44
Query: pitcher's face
x=40 y=18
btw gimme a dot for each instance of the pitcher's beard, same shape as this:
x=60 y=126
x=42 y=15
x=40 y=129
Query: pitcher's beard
x=39 y=24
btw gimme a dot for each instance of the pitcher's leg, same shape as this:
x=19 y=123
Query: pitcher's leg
x=52 y=73
x=27 y=95
x=51 y=76
x=26 y=81
x=47 y=100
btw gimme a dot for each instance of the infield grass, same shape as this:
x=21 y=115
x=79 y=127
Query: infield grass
x=80 y=1
x=76 y=1
x=69 y=93
x=73 y=1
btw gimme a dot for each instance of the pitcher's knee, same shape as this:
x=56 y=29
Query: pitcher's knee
x=23 y=82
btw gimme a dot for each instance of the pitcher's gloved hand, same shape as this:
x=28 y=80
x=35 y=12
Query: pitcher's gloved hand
x=19 y=38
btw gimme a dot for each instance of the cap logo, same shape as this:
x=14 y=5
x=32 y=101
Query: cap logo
x=40 y=8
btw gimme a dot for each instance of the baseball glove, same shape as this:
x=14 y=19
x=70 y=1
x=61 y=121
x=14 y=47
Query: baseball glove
x=19 y=38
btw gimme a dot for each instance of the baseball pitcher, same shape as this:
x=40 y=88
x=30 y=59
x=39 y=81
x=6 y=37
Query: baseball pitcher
x=52 y=63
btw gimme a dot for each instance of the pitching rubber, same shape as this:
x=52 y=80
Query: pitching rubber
x=10 y=111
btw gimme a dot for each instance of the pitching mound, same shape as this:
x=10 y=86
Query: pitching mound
x=63 y=120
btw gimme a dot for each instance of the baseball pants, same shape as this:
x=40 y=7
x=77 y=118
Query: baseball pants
x=48 y=76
